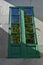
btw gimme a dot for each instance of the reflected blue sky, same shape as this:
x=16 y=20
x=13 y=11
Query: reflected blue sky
x=16 y=17
x=15 y=11
x=28 y=11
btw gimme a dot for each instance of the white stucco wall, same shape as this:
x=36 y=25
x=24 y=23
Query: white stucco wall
x=4 y=19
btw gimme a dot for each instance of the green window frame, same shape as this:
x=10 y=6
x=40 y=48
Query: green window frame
x=24 y=25
x=22 y=38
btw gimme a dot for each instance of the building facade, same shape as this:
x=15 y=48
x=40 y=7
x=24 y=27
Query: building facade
x=4 y=21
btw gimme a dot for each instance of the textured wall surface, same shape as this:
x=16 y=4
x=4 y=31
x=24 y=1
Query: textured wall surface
x=4 y=19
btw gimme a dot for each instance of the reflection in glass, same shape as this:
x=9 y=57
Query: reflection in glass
x=15 y=11
x=15 y=38
x=28 y=28
x=28 y=11
x=30 y=38
x=28 y=19
x=15 y=28
x=15 y=19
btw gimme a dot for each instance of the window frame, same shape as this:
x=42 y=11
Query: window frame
x=32 y=20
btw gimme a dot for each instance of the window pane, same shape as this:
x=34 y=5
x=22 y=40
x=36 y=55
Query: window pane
x=15 y=11
x=15 y=39
x=28 y=11
x=15 y=28
x=15 y=19
x=28 y=19
x=28 y=28
x=30 y=38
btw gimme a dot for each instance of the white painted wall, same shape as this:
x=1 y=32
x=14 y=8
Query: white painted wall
x=4 y=19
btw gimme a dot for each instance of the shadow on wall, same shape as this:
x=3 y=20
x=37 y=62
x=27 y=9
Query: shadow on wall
x=3 y=43
x=38 y=12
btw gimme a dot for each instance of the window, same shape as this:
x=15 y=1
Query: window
x=28 y=15
x=22 y=42
x=17 y=28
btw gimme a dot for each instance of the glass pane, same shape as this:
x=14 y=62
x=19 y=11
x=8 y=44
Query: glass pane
x=28 y=28
x=15 y=11
x=15 y=28
x=28 y=19
x=15 y=19
x=30 y=38
x=28 y=11
x=15 y=38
